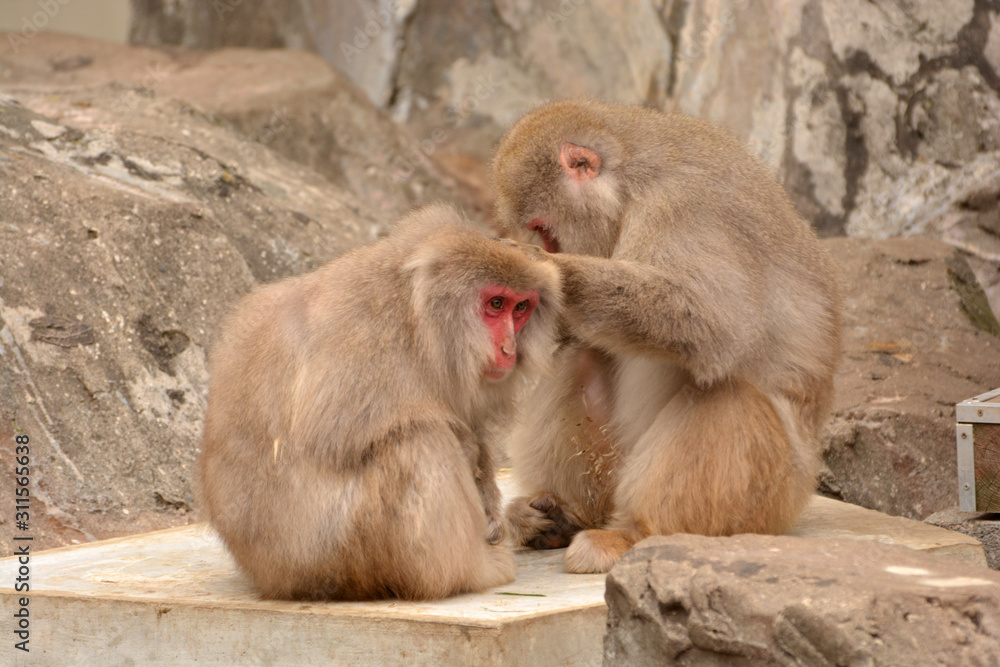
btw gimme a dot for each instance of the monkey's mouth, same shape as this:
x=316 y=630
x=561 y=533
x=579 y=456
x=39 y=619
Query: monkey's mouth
x=549 y=241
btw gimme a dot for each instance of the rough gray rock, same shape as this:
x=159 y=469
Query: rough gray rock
x=360 y=37
x=882 y=117
x=983 y=527
x=763 y=600
x=130 y=225
x=910 y=354
x=866 y=107
x=290 y=101
x=458 y=73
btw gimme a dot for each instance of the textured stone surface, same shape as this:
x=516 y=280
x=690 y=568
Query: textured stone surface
x=458 y=73
x=130 y=224
x=882 y=117
x=983 y=527
x=761 y=600
x=289 y=101
x=865 y=107
x=910 y=354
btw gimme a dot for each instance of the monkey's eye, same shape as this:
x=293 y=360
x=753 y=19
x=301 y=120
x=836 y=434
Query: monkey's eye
x=496 y=303
x=521 y=306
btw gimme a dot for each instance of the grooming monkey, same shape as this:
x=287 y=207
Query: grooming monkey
x=348 y=450
x=703 y=320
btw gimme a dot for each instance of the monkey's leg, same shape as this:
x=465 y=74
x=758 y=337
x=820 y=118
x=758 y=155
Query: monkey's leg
x=436 y=547
x=718 y=461
x=562 y=458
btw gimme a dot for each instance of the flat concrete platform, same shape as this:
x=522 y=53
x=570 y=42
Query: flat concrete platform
x=174 y=597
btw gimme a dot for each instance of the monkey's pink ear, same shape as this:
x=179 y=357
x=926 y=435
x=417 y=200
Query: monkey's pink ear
x=580 y=162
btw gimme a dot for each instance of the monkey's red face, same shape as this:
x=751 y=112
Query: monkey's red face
x=505 y=312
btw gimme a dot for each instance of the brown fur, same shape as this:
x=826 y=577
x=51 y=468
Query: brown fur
x=348 y=450
x=704 y=323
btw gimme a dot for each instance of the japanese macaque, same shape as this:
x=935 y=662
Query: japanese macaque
x=348 y=450
x=703 y=322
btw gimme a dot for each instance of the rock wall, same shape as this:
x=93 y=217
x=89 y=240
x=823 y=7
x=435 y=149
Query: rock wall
x=910 y=354
x=883 y=118
x=866 y=108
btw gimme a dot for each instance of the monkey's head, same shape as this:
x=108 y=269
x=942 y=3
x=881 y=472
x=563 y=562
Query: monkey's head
x=483 y=308
x=559 y=178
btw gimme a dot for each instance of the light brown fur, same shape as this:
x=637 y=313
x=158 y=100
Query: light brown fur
x=703 y=324
x=348 y=450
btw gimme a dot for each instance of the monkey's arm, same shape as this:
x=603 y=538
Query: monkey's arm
x=705 y=321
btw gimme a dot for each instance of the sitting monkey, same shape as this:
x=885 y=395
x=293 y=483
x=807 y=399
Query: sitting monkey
x=348 y=450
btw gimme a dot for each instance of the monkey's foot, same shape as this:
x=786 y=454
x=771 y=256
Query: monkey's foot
x=541 y=523
x=596 y=551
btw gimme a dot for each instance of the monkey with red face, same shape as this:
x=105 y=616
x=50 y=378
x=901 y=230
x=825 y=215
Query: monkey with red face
x=349 y=441
x=703 y=320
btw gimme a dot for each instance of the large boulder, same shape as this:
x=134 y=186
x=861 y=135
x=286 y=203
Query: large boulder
x=292 y=102
x=130 y=224
x=763 y=600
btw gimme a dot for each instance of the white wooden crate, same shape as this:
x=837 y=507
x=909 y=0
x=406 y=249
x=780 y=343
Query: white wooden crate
x=978 y=442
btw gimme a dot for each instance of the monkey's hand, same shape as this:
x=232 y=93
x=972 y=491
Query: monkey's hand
x=540 y=522
x=496 y=530
x=532 y=252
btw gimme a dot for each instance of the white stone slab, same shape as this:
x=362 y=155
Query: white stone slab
x=174 y=597
x=834 y=519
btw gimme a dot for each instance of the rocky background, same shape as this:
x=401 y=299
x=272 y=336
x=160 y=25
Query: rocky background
x=144 y=188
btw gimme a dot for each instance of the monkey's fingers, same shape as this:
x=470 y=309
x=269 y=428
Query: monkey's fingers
x=541 y=522
x=547 y=503
x=495 y=531
x=529 y=250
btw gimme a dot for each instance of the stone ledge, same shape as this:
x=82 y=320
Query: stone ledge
x=174 y=596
